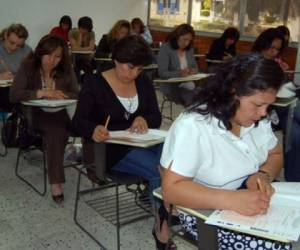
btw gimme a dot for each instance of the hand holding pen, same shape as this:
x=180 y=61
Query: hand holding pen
x=7 y=74
x=100 y=132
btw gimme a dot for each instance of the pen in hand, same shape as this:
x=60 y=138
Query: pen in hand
x=259 y=185
x=107 y=121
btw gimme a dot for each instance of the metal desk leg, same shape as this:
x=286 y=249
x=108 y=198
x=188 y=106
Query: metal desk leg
x=207 y=236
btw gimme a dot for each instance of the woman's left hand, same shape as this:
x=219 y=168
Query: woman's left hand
x=139 y=125
x=252 y=183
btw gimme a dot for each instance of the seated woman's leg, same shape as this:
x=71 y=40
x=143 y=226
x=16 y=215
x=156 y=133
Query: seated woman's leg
x=55 y=129
x=144 y=163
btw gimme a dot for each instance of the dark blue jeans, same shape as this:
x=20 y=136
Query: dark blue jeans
x=143 y=162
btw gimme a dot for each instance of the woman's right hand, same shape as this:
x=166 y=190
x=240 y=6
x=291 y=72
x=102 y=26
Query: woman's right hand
x=51 y=94
x=7 y=75
x=100 y=134
x=250 y=202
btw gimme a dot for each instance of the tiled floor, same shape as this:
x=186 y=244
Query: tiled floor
x=29 y=221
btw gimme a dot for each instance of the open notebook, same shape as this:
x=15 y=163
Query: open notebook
x=5 y=83
x=194 y=77
x=49 y=103
x=282 y=222
x=152 y=137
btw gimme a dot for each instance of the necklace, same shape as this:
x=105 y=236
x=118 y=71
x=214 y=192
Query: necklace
x=49 y=84
x=128 y=112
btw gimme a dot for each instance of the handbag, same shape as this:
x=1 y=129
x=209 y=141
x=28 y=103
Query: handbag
x=15 y=132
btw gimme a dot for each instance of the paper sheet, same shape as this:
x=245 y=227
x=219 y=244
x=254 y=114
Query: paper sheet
x=152 y=134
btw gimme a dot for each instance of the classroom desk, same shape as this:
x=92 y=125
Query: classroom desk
x=199 y=55
x=103 y=59
x=195 y=77
x=291 y=72
x=83 y=52
x=151 y=66
x=207 y=234
x=108 y=59
x=214 y=61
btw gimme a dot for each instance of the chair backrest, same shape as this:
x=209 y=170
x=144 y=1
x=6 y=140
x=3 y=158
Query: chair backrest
x=171 y=91
x=100 y=160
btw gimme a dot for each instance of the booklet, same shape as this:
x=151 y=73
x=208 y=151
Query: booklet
x=282 y=222
x=50 y=103
x=194 y=77
x=152 y=137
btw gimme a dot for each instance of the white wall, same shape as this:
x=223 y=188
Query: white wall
x=39 y=16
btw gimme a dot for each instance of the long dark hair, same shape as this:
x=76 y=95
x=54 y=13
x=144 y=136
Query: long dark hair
x=180 y=30
x=46 y=46
x=241 y=76
x=265 y=39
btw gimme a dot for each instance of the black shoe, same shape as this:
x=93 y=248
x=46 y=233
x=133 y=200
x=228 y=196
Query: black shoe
x=161 y=245
x=91 y=174
x=163 y=216
x=58 y=198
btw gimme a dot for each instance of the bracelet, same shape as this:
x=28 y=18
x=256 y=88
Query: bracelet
x=266 y=173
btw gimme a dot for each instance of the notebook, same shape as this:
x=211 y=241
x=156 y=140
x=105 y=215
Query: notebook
x=152 y=137
x=282 y=221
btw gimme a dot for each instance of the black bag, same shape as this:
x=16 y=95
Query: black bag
x=15 y=131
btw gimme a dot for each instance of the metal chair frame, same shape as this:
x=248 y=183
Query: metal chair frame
x=112 y=179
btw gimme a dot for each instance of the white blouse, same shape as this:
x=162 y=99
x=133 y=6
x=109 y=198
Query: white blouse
x=197 y=147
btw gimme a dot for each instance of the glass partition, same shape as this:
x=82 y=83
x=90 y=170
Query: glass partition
x=215 y=15
x=168 y=13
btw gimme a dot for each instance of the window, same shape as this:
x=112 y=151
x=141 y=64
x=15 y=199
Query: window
x=168 y=13
x=262 y=15
x=215 y=15
x=250 y=16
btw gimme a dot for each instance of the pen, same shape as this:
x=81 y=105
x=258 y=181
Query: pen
x=259 y=185
x=107 y=121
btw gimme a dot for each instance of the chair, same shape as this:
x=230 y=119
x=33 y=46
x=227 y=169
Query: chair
x=124 y=208
x=2 y=114
x=38 y=144
x=171 y=94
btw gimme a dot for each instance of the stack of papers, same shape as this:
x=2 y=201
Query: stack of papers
x=194 y=77
x=282 y=222
x=5 y=83
x=152 y=137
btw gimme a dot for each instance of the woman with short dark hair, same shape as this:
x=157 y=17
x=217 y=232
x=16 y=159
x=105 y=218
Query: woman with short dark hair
x=128 y=98
x=222 y=146
x=47 y=73
x=65 y=25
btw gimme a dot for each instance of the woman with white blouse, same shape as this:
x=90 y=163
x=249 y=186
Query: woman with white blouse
x=222 y=146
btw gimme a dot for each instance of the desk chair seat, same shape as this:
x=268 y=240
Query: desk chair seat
x=122 y=207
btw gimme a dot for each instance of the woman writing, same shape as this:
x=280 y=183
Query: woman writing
x=222 y=143
x=12 y=52
x=176 y=59
x=128 y=98
x=47 y=73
